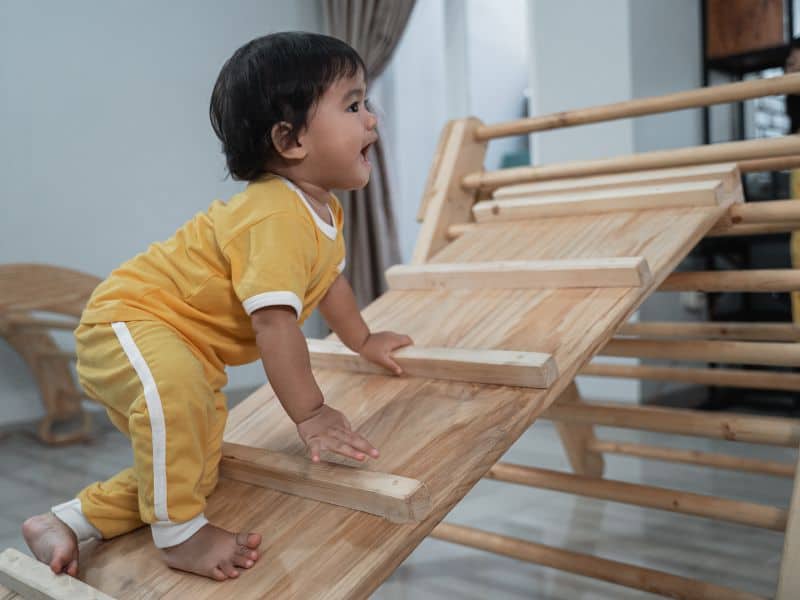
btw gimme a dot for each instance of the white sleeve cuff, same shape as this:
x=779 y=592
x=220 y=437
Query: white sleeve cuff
x=253 y=303
x=341 y=266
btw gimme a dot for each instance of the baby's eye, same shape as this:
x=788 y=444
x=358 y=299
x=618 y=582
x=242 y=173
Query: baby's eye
x=368 y=104
x=353 y=107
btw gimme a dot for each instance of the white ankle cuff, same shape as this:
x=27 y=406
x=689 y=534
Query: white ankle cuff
x=167 y=533
x=72 y=516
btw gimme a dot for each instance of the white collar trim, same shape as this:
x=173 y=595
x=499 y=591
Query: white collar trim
x=330 y=231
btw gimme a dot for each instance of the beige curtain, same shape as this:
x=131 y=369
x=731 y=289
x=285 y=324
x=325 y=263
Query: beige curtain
x=373 y=28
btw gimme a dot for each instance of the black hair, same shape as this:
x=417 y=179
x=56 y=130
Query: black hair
x=274 y=78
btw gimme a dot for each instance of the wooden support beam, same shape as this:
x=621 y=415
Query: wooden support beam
x=734 y=511
x=395 y=498
x=522 y=274
x=445 y=201
x=639 y=578
x=719 y=351
x=501 y=367
x=670 y=195
x=34 y=580
x=737 y=378
x=714 y=153
x=705 y=96
x=789 y=576
x=776 y=431
x=756 y=332
x=725 y=172
x=436 y=164
x=577 y=439
x=754 y=280
x=695 y=457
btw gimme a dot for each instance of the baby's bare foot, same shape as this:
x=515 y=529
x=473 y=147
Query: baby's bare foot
x=214 y=552
x=52 y=542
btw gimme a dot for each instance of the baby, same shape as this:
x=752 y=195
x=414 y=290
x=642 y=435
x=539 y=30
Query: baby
x=232 y=285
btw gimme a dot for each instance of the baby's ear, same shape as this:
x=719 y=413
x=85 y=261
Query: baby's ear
x=286 y=143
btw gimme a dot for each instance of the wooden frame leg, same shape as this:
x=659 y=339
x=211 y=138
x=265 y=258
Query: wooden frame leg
x=789 y=578
x=577 y=437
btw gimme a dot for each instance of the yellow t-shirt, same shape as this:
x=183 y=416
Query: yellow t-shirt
x=265 y=247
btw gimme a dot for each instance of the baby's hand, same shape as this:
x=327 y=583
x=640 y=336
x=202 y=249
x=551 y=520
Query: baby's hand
x=330 y=430
x=379 y=346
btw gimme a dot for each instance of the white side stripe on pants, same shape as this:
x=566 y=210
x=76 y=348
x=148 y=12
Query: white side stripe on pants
x=157 y=425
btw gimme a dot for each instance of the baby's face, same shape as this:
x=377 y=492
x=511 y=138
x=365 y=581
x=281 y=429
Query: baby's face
x=340 y=131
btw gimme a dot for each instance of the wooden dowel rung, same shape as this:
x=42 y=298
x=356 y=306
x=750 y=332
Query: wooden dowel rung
x=500 y=367
x=718 y=351
x=395 y=498
x=527 y=274
x=627 y=575
x=780 y=163
x=765 y=212
x=714 y=153
x=754 y=280
x=734 y=511
x=706 y=96
x=774 y=332
x=737 y=378
x=727 y=230
x=739 y=428
x=670 y=195
x=694 y=457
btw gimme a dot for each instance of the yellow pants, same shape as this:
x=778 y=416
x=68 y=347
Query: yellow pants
x=158 y=391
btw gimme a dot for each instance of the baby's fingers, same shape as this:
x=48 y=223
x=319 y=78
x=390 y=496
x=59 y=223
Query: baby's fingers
x=314 y=449
x=346 y=449
x=356 y=441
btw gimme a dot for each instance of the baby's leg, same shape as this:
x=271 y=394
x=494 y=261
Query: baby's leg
x=176 y=430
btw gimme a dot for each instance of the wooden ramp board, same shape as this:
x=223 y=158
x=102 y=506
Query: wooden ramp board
x=444 y=434
x=398 y=499
x=22 y=576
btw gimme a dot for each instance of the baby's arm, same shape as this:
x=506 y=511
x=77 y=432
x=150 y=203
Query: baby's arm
x=341 y=312
x=284 y=354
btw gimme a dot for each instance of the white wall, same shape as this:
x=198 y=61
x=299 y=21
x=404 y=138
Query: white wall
x=105 y=142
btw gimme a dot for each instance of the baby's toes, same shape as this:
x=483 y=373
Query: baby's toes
x=251 y=540
x=242 y=561
x=60 y=561
x=246 y=552
x=227 y=568
x=72 y=568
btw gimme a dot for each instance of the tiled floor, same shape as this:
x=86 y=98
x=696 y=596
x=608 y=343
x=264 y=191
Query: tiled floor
x=33 y=477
